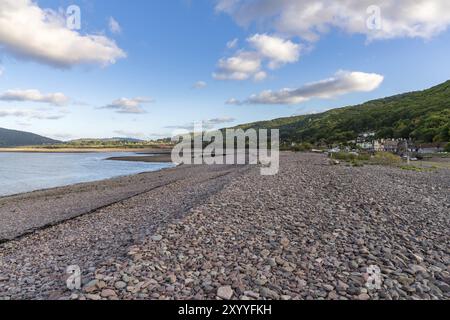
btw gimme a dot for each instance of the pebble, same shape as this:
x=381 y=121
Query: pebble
x=120 y=285
x=268 y=293
x=156 y=238
x=107 y=293
x=93 y=297
x=225 y=293
x=363 y=296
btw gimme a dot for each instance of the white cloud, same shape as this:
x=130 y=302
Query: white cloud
x=279 y=51
x=343 y=82
x=31 y=114
x=221 y=120
x=309 y=19
x=248 y=64
x=206 y=124
x=1 y=71
x=125 y=105
x=233 y=101
x=242 y=66
x=114 y=26
x=232 y=44
x=259 y=76
x=200 y=85
x=29 y=32
x=32 y=95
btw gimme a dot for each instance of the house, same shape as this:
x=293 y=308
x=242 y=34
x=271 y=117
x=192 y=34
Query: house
x=365 y=141
x=429 y=148
x=367 y=146
x=378 y=145
x=391 y=145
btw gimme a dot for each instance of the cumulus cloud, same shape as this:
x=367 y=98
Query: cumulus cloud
x=200 y=85
x=343 y=82
x=32 y=95
x=309 y=19
x=260 y=76
x=114 y=26
x=249 y=64
x=125 y=105
x=41 y=35
x=279 y=51
x=242 y=66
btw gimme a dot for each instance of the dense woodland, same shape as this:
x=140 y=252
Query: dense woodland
x=423 y=116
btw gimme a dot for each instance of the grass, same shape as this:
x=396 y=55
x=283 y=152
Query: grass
x=349 y=157
x=417 y=169
x=386 y=158
x=359 y=160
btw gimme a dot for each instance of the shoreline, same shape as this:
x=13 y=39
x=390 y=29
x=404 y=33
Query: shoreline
x=47 y=207
x=86 y=150
x=73 y=185
x=156 y=158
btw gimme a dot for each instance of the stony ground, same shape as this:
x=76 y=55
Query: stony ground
x=310 y=232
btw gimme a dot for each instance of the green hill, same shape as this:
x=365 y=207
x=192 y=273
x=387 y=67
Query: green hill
x=423 y=115
x=13 y=138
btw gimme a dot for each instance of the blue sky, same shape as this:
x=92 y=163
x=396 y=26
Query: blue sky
x=172 y=45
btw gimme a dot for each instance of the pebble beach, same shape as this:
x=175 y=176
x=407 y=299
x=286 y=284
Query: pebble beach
x=226 y=232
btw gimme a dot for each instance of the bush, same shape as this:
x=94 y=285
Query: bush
x=447 y=148
x=364 y=157
x=350 y=157
x=344 y=156
x=304 y=147
x=386 y=158
x=356 y=163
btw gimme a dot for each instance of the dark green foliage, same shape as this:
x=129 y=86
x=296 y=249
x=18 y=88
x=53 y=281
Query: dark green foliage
x=447 y=148
x=345 y=156
x=423 y=116
x=13 y=138
x=302 y=147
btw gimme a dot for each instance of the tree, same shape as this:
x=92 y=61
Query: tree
x=447 y=148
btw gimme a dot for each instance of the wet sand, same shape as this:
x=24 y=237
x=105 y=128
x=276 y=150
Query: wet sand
x=157 y=158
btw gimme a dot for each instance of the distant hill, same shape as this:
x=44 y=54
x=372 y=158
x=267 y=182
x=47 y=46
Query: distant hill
x=423 y=115
x=107 y=142
x=13 y=138
x=125 y=139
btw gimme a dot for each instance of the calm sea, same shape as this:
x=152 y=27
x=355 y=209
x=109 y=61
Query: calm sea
x=25 y=172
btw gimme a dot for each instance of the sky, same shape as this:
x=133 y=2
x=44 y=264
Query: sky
x=143 y=69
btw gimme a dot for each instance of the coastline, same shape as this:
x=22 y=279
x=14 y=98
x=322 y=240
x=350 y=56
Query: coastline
x=85 y=150
x=156 y=158
x=309 y=232
x=25 y=213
